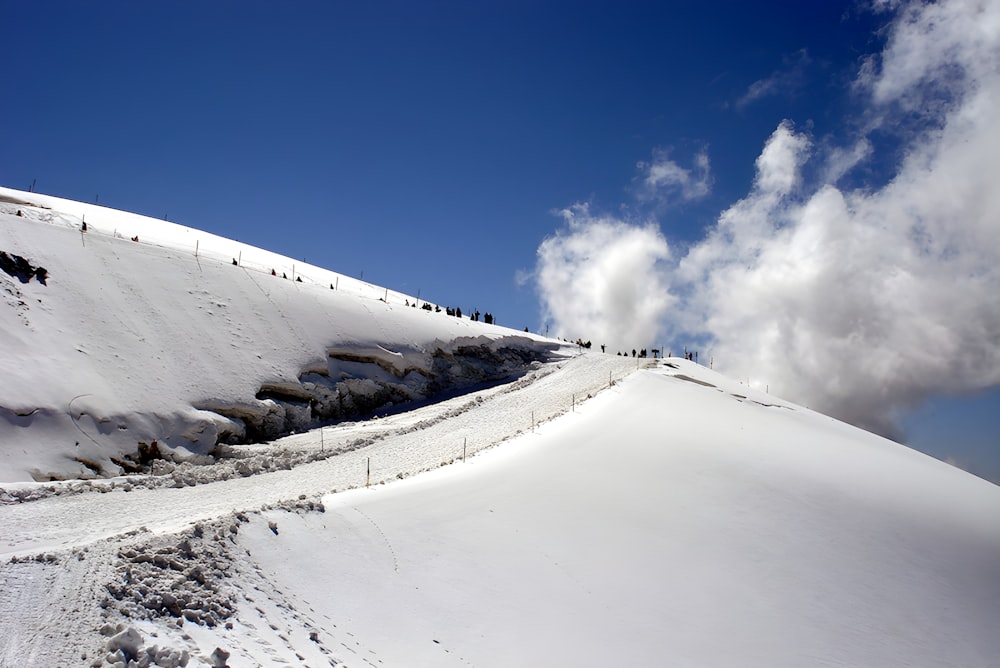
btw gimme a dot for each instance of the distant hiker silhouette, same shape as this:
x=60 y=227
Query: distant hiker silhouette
x=273 y=273
x=235 y=263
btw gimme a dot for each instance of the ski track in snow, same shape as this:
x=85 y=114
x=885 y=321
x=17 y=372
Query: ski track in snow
x=55 y=599
x=61 y=523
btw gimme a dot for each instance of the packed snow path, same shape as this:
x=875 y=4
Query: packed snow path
x=482 y=420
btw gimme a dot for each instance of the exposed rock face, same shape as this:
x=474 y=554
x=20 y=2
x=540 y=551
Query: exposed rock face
x=359 y=383
x=21 y=268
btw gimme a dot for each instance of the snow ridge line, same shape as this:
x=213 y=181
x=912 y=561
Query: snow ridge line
x=252 y=262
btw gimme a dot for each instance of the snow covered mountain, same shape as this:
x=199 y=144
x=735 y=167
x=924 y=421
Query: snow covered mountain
x=194 y=340
x=592 y=511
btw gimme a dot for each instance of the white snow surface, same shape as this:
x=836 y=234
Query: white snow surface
x=130 y=341
x=597 y=511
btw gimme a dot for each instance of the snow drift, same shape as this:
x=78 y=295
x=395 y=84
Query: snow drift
x=143 y=330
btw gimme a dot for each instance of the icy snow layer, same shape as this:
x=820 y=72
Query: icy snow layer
x=111 y=343
x=676 y=518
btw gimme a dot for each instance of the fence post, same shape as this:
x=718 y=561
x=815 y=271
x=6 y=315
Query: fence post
x=368 y=472
x=322 y=444
x=532 y=421
x=574 y=403
x=464 y=442
x=196 y=242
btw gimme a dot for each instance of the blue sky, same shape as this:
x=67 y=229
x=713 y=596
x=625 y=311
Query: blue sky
x=470 y=150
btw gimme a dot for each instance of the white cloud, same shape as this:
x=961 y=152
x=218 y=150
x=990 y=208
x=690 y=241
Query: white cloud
x=841 y=160
x=666 y=180
x=942 y=46
x=781 y=82
x=602 y=279
x=859 y=303
x=864 y=303
x=779 y=163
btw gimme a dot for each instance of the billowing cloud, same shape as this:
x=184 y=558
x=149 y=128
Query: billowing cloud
x=864 y=303
x=861 y=302
x=603 y=279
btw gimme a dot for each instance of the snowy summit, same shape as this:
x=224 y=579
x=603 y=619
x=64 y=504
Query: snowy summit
x=211 y=454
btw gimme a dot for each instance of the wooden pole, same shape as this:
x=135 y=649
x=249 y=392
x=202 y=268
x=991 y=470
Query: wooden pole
x=368 y=473
x=464 y=441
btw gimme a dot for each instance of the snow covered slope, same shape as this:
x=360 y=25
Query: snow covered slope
x=664 y=523
x=111 y=343
x=597 y=511
x=675 y=518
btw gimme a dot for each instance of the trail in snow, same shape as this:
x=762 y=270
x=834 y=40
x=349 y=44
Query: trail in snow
x=54 y=601
x=60 y=523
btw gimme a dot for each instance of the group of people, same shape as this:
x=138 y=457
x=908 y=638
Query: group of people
x=642 y=353
x=655 y=353
x=488 y=318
